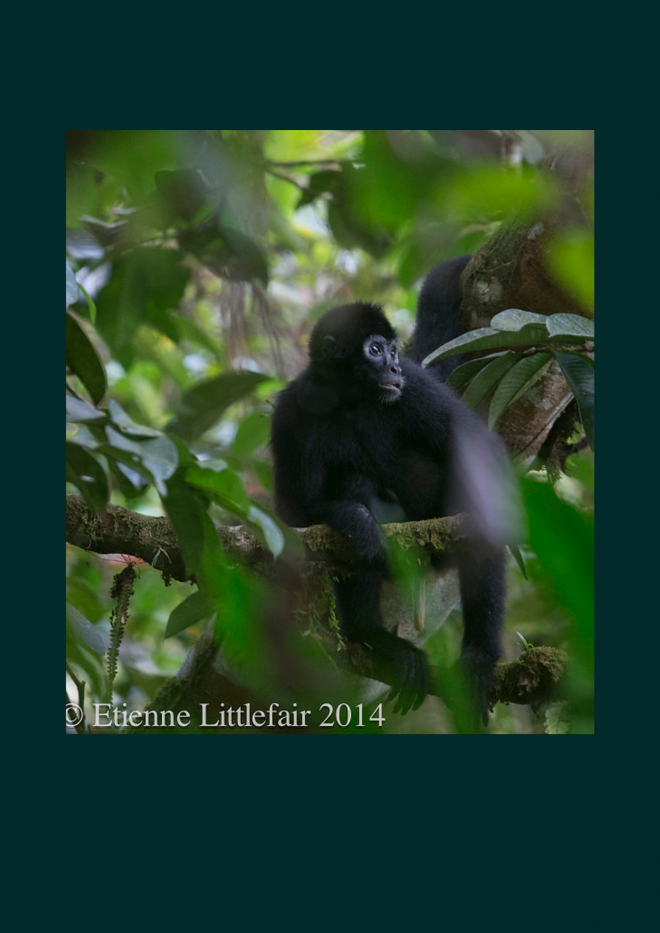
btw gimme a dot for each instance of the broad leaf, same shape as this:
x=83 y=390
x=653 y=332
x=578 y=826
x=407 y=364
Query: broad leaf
x=129 y=480
x=580 y=377
x=201 y=407
x=223 y=486
x=144 y=286
x=83 y=360
x=264 y=473
x=583 y=356
x=252 y=432
x=79 y=410
x=71 y=286
x=464 y=373
x=571 y=327
x=202 y=552
x=182 y=192
x=269 y=527
x=513 y=320
x=488 y=338
x=195 y=608
x=486 y=380
x=85 y=632
x=159 y=454
x=128 y=426
x=516 y=382
x=126 y=459
x=87 y=474
x=81 y=244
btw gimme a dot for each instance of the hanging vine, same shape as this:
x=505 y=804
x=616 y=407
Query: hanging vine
x=122 y=590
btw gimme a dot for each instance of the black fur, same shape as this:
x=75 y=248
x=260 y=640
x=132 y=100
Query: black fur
x=351 y=431
x=438 y=314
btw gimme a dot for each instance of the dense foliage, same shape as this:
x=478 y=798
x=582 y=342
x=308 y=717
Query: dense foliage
x=197 y=263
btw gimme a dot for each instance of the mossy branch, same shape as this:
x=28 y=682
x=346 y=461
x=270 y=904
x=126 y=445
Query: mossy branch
x=120 y=531
x=531 y=679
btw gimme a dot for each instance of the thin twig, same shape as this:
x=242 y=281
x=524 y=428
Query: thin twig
x=292 y=181
x=302 y=162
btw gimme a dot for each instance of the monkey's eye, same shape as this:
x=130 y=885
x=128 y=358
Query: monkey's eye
x=374 y=349
x=393 y=352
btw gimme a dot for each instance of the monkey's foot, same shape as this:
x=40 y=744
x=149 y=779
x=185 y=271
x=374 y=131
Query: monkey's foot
x=408 y=667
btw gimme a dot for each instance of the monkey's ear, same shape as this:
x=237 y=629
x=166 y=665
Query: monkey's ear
x=329 y=347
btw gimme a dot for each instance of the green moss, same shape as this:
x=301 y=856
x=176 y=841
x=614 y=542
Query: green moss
x=536 y=672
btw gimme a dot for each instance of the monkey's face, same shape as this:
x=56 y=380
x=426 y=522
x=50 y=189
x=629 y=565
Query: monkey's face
x=381 y=366
x=354 y=347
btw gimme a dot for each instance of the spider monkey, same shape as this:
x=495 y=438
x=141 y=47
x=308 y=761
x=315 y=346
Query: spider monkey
x=362 y=425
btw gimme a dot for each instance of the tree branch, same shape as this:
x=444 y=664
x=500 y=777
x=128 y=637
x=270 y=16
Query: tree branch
x=120 y=531
x=528 y=680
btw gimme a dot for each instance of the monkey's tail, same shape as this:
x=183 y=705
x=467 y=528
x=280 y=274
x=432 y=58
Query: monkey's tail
x=438 y=314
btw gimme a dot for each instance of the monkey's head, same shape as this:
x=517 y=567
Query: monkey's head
x=355 y=347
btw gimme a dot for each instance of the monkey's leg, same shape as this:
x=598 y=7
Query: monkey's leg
x=483 y=590
x=358 y=601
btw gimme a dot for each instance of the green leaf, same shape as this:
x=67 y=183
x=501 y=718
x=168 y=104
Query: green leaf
x=247 y=251
x=91 y=307
x=487 y=379
x=82 y=245
x=582 y=356
x=79 y=410
x=189 y=330
x=464 y=373
x=133 y=156
x=83 y=360
x=222 y=485
x=201 y=407
x=520 y=560
x=269 y=527
x=195 y=608
x=488 y=338
x=202 y=552
x=570 y=258
x=325 y=181
x=84 y=631
x=182 y=192
x=556 y=719
x=580 y=377
x=130 y=480
x=87 y=474
x=264 y=472
x=562 y=537
x=131 y=460
x=71 y=286
x=571 y=327
x=516 y=382
x=144 y=286
x=252 y=432
x=126 y=425
x=513 y=320
x=159 y=454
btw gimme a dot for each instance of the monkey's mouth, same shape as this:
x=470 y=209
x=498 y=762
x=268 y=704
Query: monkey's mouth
x=391 y=391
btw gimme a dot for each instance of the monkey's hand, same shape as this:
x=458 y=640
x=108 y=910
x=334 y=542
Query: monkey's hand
x=475 y=671
x=407 y=666
x=370 y=545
